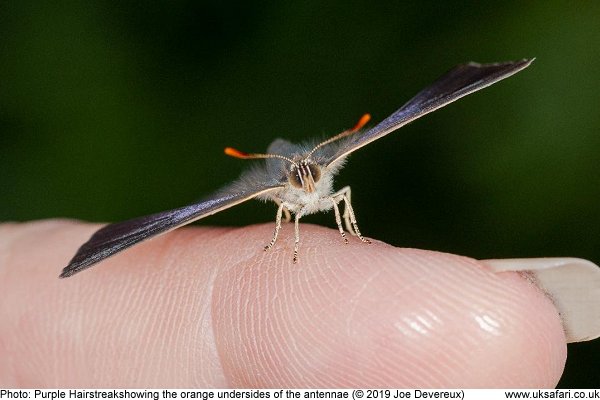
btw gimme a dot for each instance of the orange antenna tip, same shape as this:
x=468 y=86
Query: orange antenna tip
x=361 y=122
x=230 y=151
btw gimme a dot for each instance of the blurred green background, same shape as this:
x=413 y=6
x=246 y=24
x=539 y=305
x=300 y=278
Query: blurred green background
x=110 y=110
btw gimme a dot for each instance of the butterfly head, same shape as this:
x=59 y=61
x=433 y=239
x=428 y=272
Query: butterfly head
x=304 y=175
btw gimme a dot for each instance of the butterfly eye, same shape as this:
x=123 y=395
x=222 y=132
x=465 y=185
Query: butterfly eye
x=315 y=171
x=294 y=178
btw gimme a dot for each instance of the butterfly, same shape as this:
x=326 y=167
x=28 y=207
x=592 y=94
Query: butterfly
x=298 y=178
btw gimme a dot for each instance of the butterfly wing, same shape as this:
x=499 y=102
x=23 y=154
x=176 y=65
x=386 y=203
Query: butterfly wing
x=119 y=236
x=274 y=166
x=456 y=83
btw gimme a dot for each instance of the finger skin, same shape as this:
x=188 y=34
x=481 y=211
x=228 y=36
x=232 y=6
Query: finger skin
x=207 y=307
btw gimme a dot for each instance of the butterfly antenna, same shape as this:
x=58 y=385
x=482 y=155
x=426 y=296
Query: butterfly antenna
x=361 y=122
x=230 y=151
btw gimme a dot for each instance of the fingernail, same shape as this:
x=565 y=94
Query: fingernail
x=573 y=285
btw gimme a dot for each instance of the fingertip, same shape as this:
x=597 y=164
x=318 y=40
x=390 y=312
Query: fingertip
x=345 y=315
x=376 y=316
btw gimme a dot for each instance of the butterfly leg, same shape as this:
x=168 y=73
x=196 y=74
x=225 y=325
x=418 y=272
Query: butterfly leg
x=349 y=217
x=277 y=226
x=353 y=220
x=286 y=212
x=338 y=219
x=346 y=215
x=296 y=235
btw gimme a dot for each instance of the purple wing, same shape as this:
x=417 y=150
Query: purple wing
x=119 y=236
x=456 y=83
